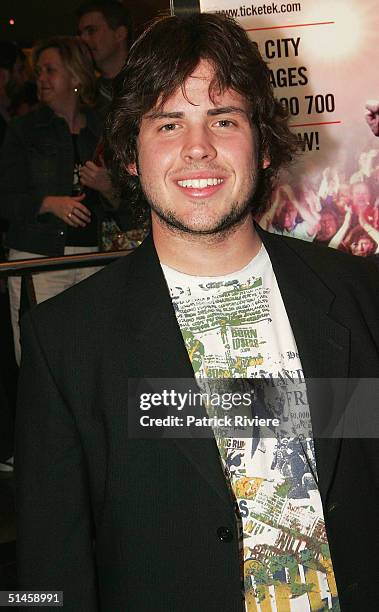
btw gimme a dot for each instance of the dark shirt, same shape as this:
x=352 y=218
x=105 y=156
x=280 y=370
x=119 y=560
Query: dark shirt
x=37 y=160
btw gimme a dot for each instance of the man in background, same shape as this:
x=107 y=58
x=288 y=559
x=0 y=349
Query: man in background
x=106 y=28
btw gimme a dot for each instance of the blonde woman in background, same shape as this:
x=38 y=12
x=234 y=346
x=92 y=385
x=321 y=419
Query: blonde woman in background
x=51 y=191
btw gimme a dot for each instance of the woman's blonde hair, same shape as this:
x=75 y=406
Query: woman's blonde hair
x=76 y=57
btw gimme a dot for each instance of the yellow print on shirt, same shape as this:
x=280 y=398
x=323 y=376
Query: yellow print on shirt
x=246 y=488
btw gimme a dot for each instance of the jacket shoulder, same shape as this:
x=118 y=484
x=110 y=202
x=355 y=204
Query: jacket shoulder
x=31 y=119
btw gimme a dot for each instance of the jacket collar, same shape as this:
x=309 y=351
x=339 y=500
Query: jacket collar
x=323 y=344
x=155 y=343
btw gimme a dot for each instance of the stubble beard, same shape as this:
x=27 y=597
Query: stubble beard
x=236 y=215
x=226 y=224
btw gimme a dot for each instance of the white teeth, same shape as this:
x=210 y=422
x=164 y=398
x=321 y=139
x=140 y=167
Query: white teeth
x=200 y=183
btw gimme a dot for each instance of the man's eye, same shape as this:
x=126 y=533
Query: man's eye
x=168 y=127
x=224 y=123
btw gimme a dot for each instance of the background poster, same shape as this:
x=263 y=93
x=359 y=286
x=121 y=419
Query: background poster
x=322 y=58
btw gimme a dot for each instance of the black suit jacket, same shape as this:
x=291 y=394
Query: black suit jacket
x=132 y=525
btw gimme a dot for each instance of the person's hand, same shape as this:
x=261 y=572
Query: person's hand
x=348 y=213
x=372 y=116
x=326 y=173
x=69 y=209
x=312 y=201
x=96 y=177
x=286 y=192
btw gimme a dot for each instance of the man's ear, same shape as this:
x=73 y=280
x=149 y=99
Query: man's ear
x=266 y=162
x=122 y=33
x=132 y=169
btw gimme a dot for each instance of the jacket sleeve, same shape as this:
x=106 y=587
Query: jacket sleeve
x=55 y=529
x=18 y=201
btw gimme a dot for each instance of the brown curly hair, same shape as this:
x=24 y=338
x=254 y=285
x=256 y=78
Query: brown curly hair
x=161 y=60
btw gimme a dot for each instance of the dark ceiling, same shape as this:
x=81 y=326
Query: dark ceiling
x=38 y=19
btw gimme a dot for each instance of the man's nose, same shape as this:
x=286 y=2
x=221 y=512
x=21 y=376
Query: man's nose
x=199 y=145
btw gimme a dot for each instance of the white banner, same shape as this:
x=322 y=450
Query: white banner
x=322 y=58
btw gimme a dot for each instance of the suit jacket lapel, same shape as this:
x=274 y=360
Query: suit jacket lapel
x=323 y=341
x=159 y=352
x=323 y=344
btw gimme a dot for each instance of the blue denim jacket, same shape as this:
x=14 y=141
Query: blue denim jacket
x=37 y=160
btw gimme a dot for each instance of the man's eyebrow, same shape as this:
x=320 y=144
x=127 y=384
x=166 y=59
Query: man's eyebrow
x=212 y=112
x=227 y=110
x=162 y=115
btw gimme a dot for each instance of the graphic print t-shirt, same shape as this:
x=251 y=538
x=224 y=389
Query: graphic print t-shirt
x=234 y=327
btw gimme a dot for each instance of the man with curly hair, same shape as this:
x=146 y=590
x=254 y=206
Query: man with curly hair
x=121 y=522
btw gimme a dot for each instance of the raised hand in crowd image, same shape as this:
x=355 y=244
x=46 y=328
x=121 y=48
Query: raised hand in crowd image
x=365 y=166
x=329 y=185
x=51 y=191
x=359 y=232
x=293 y=214
x=329 y=213
x=372 y=116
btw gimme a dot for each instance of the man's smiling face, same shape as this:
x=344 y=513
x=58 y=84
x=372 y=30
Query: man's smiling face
x=198 y=158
